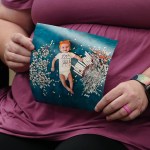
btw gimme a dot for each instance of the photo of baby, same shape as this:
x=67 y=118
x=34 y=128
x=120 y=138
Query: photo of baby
x=68 y=67
x=64 y=58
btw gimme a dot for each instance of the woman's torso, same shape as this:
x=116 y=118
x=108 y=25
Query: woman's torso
x=41 y=120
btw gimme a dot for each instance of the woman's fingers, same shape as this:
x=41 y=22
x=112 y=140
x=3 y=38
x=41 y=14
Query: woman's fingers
x=132 y=115
x=17 y=52
x=17 y=58
x=124 y=111
x=22 y=40
x=125 y=102
x=108 y=98
x=17 y=49
x=115 y=105
x=18 y=67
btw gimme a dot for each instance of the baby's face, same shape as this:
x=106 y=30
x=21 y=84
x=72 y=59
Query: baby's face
x=64 y=48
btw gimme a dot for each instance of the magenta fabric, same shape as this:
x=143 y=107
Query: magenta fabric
x=129 y=13
x=21 y=115
x=135 y=13
x=18 y=4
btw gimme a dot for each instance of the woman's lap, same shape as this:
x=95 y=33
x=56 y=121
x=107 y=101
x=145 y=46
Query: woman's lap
x=80 y=142
x=90 y=142
x=8 y=142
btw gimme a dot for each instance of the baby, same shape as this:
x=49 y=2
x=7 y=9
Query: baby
x=65 y=64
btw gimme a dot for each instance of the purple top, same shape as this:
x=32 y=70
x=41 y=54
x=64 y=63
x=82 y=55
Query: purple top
x=21 y=115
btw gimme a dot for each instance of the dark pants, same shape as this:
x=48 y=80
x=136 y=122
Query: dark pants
x=80 y=142
x=4 y=75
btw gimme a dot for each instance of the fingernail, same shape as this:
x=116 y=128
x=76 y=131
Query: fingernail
x=96 y=109
x=31 y=46
x=108 y=119
x=30 y=39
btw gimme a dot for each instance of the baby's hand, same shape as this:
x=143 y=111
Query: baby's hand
x=52 y=69
x=17 y=52
x=81 y=59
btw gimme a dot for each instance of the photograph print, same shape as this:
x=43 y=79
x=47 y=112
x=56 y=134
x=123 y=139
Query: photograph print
x=68 y=67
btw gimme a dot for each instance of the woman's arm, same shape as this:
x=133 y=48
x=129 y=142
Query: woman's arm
x=15 y=47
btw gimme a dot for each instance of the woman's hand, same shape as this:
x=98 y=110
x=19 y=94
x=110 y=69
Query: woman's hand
x=125 y=102
x=17 y=52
